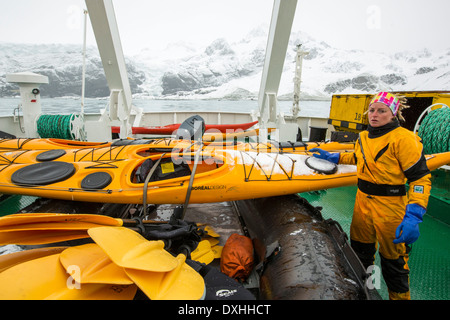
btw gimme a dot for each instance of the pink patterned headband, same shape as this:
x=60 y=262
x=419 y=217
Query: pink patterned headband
x=387 y=99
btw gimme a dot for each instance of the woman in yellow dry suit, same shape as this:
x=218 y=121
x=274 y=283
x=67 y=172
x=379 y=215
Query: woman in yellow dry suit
x=385 y=213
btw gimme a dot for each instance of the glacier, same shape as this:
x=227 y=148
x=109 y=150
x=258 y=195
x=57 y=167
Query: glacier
x=224 y=70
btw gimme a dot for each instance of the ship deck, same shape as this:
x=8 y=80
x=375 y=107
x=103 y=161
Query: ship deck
x=429 y=259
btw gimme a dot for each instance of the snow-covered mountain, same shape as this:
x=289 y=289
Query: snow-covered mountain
x=231 y=70
x=63 y=66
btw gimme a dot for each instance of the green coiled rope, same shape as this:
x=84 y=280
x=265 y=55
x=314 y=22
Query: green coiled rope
x=435 y=131
x=56 y=126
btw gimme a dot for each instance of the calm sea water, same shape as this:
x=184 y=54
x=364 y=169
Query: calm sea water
x=69 y=105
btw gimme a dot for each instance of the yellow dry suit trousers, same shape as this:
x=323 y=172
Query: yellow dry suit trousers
x=375 y=219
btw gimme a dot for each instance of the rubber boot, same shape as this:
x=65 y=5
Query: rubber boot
x=399 y=296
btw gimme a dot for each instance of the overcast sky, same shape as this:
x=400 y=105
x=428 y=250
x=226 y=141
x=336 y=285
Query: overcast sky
x=375 y=25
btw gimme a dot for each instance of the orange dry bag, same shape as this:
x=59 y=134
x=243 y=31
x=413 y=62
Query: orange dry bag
x=237 y=257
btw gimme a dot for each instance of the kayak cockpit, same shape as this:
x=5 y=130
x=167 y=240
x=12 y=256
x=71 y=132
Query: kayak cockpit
x=173 y=166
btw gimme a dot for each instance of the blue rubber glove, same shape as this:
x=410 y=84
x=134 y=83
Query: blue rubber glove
x=332 y=157
x=408 y=230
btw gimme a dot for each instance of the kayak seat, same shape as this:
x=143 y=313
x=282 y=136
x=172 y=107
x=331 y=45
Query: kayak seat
x=143 y=170
x=167 y=169
x=43 y=173
x=191 y=129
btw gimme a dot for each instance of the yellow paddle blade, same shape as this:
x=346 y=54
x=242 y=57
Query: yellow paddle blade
x=182 y=283
x=46 y=278
x=212 y=241
x=217 y=250
x=203 y=253
x=29 y=218
x=129 y=249
x=211 y=232
x=34 y=237
x=9 y=260
x=93 y=264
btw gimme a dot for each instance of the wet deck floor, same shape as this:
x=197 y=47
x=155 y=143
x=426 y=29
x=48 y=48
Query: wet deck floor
x=429 y=259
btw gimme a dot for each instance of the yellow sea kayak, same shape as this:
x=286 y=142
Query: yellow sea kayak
x=50 y=144
x=118 y=176
x=46 y=144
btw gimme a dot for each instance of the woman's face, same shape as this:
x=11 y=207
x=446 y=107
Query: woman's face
x=379 y=115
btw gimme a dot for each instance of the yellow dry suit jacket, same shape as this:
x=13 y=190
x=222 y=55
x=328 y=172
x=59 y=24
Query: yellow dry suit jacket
x=389 y=158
